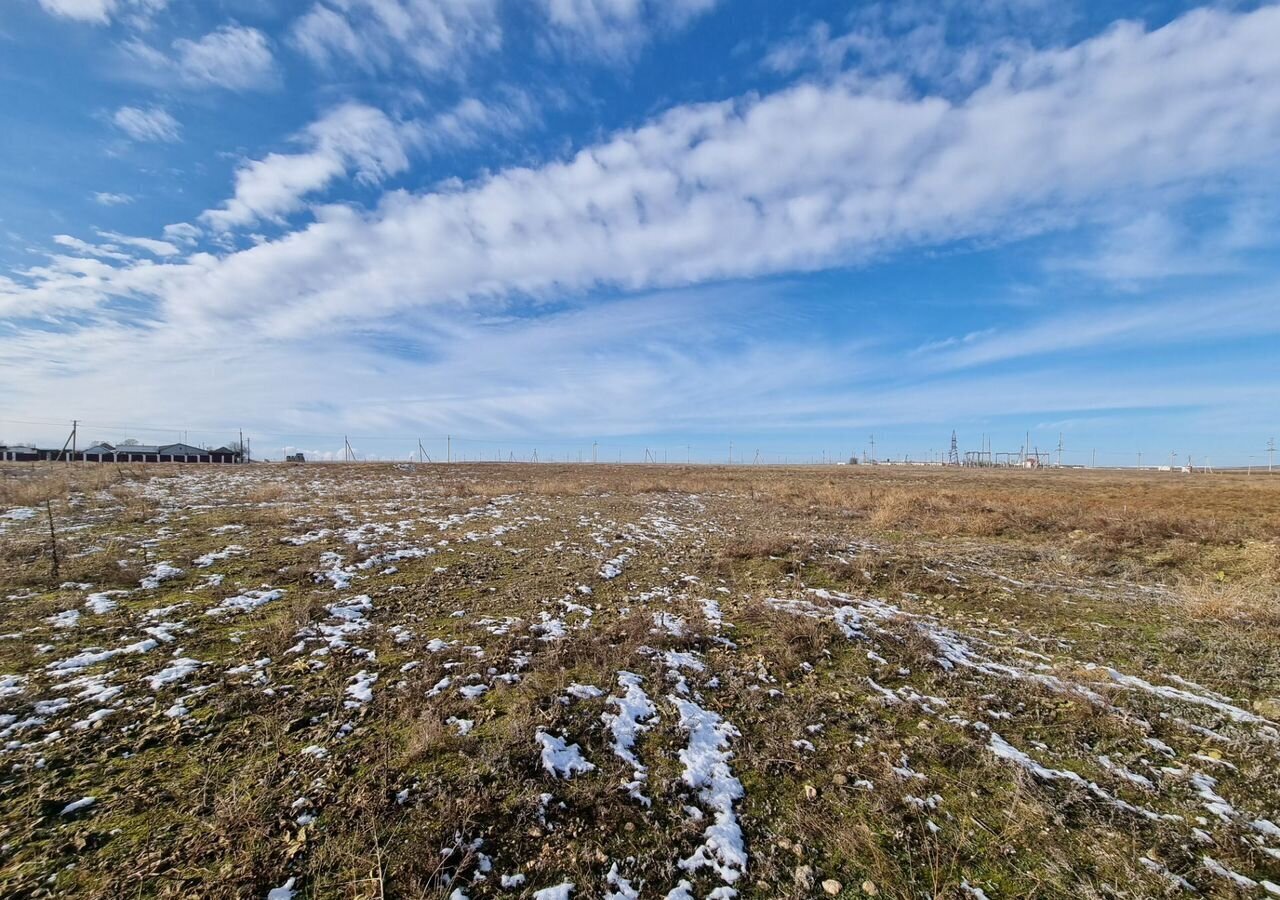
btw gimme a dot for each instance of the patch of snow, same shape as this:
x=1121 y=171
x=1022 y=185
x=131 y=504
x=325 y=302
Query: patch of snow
x=622 y=889
x=560 y=759
x=464 y=726
x=706 y=770
x=584 y=691
x=102 y=602
x=178 y=670
x=161 y=572
x=77 y=805
x=68 y=618
x=1222 y=871
x=208 y=559
x=635 y=714
x=242 y=603
x=360 y=689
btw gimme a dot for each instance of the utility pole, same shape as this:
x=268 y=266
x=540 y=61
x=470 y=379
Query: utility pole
x=1095 y=458
x=1271 y=454
x=1060 y=450
x=448 y=445
x=348 y=455
x=954 y=458
x=873 y=449
x=69 y=442
x=242 y=459
x=1173 y=454
x=1139 y=459
x=594 y=445
x=731 y=453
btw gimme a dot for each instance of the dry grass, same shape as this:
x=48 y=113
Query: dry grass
x=1252 y=602
x=32 y=484
x=1051 y=572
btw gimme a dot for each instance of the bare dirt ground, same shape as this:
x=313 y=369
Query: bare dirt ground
x=484 y=680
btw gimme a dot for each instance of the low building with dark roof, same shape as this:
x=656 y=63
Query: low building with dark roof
x=125 y=453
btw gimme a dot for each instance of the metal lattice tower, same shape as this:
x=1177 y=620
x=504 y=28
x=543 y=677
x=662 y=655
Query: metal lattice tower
x=954 y=458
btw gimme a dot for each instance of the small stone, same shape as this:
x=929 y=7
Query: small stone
x=839 y=778
x=803 y=877
x=832 y=887
x=869 y=888
x=810 y=792
x=784 y=843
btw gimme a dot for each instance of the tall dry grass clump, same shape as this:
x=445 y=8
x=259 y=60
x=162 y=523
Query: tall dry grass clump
x=1250 y=601
x=32 y=485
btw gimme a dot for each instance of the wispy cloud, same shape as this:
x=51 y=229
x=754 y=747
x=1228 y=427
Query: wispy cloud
x=1147 y=324
x=439 y=37
x=612 y=30
x=913 y=40
x=150 y=245
x=108 y=198
x=234 y=57
x=101 y=12
x=151 y=124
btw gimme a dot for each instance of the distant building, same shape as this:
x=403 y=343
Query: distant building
x=125 y=453
x=295 y=457
x=19 y=453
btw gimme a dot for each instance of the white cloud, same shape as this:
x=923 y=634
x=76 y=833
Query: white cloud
x=234 y=57
x=351 y=138
x=808 y=177
x=101 y=12
x=153 y=124
x=434 y=36
x=952 y=44
x=150 y=245
x=96 y=11
x=1145 y=245
x=107 y=198
x=616 y=29
x=1179 y=320
x=102 y=251
x=472 y=120
x=182 y=233
x=805 y=178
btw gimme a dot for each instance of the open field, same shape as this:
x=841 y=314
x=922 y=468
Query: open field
x=481 y=681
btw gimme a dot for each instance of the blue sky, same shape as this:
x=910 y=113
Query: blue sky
x=662 y=224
